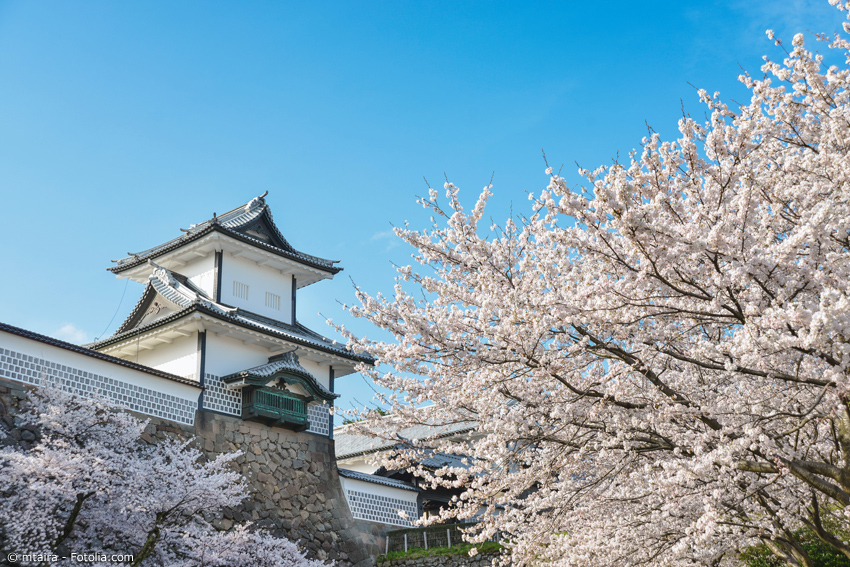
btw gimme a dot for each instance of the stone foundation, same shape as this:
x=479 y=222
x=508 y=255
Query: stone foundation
x=294 y=487
x=459 y=560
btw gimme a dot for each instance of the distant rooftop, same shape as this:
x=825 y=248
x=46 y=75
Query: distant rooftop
x=351 y=442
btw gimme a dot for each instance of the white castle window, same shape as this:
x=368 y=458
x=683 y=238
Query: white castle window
x=272 y=300
x=240 y=290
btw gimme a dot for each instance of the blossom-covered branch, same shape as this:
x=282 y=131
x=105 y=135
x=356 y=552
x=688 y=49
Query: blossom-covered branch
x=658 y=363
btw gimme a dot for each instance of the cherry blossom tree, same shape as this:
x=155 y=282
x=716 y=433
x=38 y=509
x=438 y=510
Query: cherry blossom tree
x=659 y=362
x=90 y=486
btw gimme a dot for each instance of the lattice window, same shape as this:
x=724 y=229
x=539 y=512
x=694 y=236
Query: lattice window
x=383 y=509
x=240 y=290
x=272 y=300
x=320 y=418
x=219 y=397
x=32 y=370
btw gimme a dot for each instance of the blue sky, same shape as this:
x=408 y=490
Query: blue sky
x=122 y=122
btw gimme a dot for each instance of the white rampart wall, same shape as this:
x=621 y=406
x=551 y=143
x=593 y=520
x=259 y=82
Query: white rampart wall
x=259 y=279
x=34 y=362
x=378 y=503
x=178 y=357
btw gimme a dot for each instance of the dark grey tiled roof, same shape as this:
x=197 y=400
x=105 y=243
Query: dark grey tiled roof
x=298 y=332
x=440 y=460
x=354 y=475
x=180 y=291
x=350 y=442
x=233 y=224
x=287 y=362
x=95 y=354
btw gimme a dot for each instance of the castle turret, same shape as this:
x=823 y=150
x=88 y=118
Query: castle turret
x=219 y=308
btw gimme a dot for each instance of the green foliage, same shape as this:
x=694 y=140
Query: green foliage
x=462 y=549
x=822 y=555
x=760 y=556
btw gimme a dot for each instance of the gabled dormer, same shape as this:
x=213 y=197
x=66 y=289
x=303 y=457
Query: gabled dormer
x=167 y=293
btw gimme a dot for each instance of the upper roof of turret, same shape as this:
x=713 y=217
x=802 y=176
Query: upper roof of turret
x=251 y=223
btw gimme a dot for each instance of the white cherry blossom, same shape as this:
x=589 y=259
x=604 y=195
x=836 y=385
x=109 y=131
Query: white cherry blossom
x=659 y=363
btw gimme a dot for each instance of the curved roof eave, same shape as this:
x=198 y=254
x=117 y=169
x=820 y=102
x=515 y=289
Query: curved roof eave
x=312 y=261
x=117 y=338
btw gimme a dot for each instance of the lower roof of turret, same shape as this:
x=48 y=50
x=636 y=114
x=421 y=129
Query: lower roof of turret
x=187 y=299
x=295 y=334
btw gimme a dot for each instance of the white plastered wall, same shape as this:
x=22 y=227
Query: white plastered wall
x=320 y=372
x=178 y=357
x=200 y=272
x=226 y=355
x=259 y=279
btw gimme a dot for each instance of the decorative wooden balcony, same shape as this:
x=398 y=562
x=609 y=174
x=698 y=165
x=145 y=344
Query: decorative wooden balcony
x=273 y=406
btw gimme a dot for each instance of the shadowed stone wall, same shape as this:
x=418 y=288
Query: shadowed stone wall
x=459 y=560
x=294 y=487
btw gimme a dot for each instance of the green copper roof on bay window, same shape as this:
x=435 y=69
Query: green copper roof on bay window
x=283 y=367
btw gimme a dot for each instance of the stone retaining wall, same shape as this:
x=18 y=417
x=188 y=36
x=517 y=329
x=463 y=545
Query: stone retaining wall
x=460 y=560
x=292 y=478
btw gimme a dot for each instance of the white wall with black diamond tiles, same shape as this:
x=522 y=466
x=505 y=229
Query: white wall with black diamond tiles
x=378 y=503
x=33 y=362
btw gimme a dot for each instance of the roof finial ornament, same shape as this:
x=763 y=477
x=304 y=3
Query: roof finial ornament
x=256 y=201
x=161 y=272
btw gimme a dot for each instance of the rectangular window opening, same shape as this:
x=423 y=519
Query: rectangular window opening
x=240 y=290
x=272 y=300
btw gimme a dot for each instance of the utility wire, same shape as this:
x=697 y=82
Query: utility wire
x=116 y=310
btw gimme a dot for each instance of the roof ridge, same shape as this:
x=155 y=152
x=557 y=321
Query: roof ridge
x=366 y=477
x=231 y=224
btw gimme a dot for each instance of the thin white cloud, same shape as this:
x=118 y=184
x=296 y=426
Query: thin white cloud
x=789 y=17
x=387 y=235
x=71 y=333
